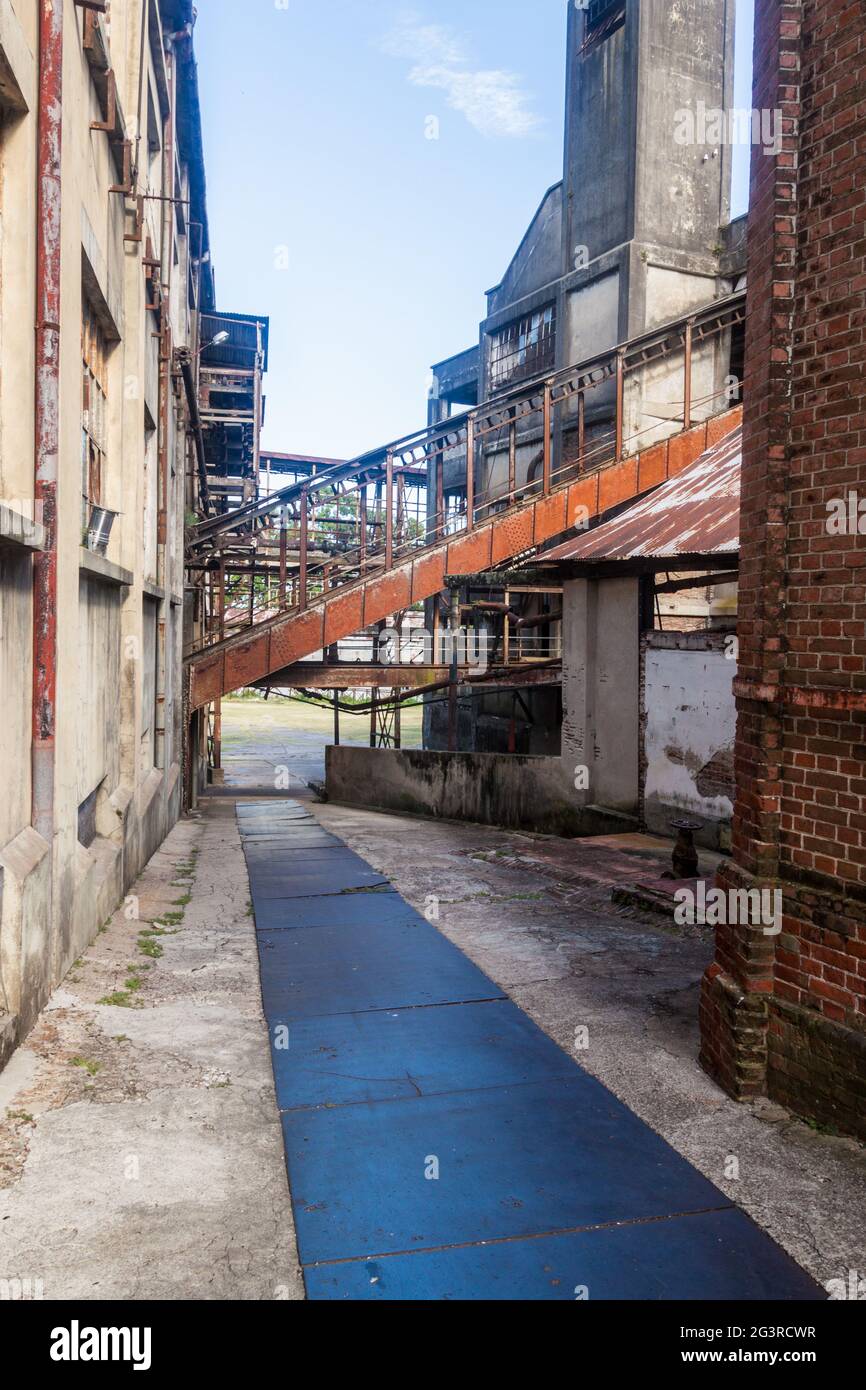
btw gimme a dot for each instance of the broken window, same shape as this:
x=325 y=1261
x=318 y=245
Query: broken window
x=523 y=348
x=93 y=410
x=603 y=18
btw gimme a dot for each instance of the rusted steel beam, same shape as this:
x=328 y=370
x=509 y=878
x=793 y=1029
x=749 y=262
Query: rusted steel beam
x=110 y=103
x=49 y=142
x=308 y=675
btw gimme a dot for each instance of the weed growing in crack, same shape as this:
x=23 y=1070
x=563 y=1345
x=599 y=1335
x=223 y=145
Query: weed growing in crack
x=120 y=999
x=90 y=1067
x=170 y=919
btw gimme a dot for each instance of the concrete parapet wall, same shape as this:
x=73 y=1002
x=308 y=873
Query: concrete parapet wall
x=521 y=793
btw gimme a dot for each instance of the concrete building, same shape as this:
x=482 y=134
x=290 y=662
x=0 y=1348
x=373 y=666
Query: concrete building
x=104 y=237
x=636 y=234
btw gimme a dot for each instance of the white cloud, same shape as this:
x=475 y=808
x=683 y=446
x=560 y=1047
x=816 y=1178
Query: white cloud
x=493 y=101
x=422 y=43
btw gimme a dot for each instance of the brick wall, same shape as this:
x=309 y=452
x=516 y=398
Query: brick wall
x=786 y=1014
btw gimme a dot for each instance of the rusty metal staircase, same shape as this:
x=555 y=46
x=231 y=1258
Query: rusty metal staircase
x=293 y=573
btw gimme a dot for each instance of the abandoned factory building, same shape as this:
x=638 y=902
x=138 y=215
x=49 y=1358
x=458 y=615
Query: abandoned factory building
x=603 y=562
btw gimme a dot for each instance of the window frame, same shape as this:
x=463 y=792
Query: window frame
x=528 y=344
x=94 y=409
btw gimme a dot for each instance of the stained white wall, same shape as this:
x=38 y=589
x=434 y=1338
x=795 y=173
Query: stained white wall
x=689 y=730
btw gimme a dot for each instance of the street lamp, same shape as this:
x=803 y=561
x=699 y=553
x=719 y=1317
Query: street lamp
x=220 y=338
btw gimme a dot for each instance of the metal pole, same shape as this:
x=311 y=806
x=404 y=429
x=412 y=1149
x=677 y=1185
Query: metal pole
x=336 y=718
x=302 y=575
x=389 y=511
x=581 y=430
x=548 y=442
x=470 y=473
x=687 y=395
x=620 y=393
x=452 y=684
x=440 y=493
x=283 y=557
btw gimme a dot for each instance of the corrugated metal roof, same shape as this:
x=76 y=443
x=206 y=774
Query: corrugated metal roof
x=696 y=513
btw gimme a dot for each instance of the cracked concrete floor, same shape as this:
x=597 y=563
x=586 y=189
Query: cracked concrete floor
x=140 y=1147
x=536 y=915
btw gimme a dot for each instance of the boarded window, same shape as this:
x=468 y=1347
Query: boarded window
x=524 y=348
x=93 y=410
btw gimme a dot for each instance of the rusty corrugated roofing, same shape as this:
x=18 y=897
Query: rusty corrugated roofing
x=696 y=513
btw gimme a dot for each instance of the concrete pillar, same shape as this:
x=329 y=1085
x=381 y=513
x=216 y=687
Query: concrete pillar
x=601 y=691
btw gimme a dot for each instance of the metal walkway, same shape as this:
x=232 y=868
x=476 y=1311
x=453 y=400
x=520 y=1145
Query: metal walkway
x=439 y=1145
x=301 y=569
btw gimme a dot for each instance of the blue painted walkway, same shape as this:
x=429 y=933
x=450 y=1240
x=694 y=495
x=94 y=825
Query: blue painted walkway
x=404 y=1061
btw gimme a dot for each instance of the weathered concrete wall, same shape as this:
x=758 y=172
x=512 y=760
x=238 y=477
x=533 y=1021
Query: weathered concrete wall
x=689 y=728
x=109 y=696
x=16 y=665
x=486 y=788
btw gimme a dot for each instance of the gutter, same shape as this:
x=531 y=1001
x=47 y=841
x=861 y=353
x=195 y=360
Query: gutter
x=47 y=412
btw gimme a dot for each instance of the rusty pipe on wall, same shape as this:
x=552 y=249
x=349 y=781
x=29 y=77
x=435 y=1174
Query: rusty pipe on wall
x=47 y=411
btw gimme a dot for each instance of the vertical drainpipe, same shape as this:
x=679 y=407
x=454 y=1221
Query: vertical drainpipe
x=47 y=411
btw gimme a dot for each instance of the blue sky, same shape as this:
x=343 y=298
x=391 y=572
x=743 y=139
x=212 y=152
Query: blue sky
x=368 y=243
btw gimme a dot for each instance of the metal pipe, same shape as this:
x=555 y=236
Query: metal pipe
x=198 y=436
x=47 y=412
